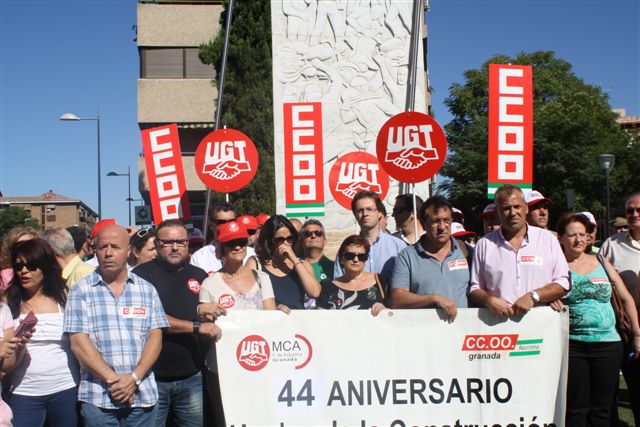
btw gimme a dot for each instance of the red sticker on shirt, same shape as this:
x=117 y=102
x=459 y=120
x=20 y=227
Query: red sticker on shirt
x=193 y=285
x=227 y=301
x=596 y=280
x=459 y=264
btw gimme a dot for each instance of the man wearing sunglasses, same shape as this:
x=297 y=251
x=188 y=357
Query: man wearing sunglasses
x=405 y=221
x=434 y=272
x=313 y=242
x=623 y=250
x=206 y=258
x=179 y=367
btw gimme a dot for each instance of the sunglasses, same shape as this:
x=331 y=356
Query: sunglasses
x=222 y=221
x=251 y=232
x=280 y=240
x=18 y=266
x=309 y=233
x=143 y=232
x=351 y=256
x=630 y=211
x=169 y=243
x=235 y=243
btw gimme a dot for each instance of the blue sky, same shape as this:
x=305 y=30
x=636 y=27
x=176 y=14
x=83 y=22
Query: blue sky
x=78 y=56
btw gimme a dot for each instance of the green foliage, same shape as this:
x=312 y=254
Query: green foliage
x=14 y=216
x=573 y=124
x=247 y=99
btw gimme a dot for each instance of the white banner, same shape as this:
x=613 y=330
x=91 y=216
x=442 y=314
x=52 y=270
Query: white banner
x=401 y=368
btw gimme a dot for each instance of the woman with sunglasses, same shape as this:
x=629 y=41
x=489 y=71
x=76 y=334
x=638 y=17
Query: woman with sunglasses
x=43 y=385
x=143 y=246
x=235 y=286
x=356 y=288
x=290 y=276
x=595 y=349
x=13 y=236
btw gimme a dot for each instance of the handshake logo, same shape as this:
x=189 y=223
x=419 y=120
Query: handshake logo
x=356 y=177
x=225 y=160
x=410 y=147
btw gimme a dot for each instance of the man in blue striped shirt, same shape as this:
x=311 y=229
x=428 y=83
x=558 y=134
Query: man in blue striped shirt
x=114 y=319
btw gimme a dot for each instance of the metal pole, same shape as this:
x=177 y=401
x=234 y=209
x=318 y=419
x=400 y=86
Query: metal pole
x=410 y=99
x=129 y=187
x=223 y=67
x=606 y=227
x=415 y=214
x=99 y=172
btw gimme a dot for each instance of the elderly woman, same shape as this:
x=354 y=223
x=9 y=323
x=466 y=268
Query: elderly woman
x=290 y=276
x=595 y=349
x=43 y=385
x=143 y=246
x=236 y=286
x=356 y=288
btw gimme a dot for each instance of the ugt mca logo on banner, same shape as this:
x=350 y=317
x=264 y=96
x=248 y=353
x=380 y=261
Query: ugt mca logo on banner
x=510 y=153
x=226 y=160
x=357 y=171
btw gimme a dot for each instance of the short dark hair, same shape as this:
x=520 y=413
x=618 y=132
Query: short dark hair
x=221 y=206
x=140 y=238
x=568 y=218
x=268 y=231
x=407 y=200
x=437 y=202
x=171 y=223
x=368 y=194
x=355 y=240
x=79 y=235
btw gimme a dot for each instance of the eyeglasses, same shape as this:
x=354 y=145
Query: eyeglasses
x=181 y=243
x=143 y=232
x=309 y=233
x=251 y=232
x=222 y=221
x=281 y=239
x=351 y=256
x=235 y=243
x=630 y=211
x=18 y=266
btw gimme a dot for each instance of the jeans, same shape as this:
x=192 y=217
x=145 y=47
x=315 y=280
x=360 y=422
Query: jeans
x=180 y=402
x=92 y=416
x=58 y=409
x=593 y=374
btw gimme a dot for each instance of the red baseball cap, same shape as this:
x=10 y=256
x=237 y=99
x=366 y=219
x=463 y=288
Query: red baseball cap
x=231 y=230
x=100 y=225
x=249 y=222
x=489 y=210
x=262 y=218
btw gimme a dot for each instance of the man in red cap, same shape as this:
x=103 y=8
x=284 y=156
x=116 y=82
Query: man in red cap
x=538 y=215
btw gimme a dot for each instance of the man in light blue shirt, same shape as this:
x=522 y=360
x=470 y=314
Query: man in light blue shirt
x=367 y=208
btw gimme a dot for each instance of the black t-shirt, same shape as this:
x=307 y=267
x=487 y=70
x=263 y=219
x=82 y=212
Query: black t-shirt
x=288 y=289
x=182 y=355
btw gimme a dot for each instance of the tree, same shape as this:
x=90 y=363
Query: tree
x=14 y=216
x=247 y=98
x=573 y=124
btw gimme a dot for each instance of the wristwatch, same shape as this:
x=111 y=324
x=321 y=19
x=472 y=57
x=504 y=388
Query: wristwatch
x=136 y=379
x=534 y=296
x=196 y=326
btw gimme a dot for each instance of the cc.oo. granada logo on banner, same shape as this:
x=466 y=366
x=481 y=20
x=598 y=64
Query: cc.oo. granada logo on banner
x=254 y=352
x=497 y=346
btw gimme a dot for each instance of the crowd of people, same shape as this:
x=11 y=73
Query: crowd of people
x=126 y=318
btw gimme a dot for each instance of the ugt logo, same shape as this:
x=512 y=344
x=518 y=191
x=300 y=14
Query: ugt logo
x=253 y=353
x=354 y=177
x=225 y=160
x=410 y=147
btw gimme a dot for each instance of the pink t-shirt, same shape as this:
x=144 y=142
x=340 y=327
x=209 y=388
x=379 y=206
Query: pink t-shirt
x=508 y=274
x=6 y=322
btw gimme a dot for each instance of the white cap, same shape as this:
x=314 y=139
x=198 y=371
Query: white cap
x=489 y=210
x=590 y=217
x=532 y=197
x=458 y=230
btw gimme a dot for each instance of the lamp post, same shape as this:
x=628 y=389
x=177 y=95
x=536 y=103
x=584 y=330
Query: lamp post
x=128 y=175
x=606 y=162
x=72 y=118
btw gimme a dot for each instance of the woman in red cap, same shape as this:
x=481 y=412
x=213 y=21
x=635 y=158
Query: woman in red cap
x=236 y=286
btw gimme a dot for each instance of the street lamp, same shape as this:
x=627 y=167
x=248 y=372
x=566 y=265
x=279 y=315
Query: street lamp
x=606 y=162
x=128 y=175
x=70 y=117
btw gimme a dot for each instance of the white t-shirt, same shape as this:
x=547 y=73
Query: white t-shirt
x=206 y=259
x=49 y=366
x=214 y=289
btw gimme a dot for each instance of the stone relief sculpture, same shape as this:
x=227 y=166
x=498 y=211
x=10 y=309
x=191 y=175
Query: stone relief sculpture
x=350 y=55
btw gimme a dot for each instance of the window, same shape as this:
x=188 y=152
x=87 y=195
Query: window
x=173 y=63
